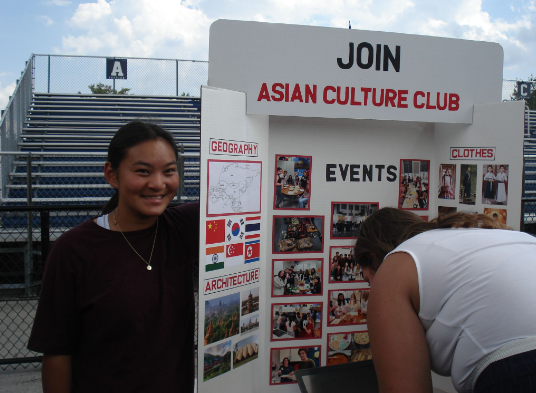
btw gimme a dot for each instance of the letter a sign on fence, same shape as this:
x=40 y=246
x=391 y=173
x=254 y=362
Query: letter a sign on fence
x=116 y=68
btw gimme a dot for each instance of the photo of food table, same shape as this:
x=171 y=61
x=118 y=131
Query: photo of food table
x=298 y=234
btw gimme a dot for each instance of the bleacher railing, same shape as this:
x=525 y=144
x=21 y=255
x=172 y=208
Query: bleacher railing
x=54 y=178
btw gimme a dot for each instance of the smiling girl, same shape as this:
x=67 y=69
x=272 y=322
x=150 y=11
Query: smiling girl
x=116 y=313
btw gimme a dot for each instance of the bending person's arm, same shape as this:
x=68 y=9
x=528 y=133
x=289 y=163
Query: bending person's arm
x=397 y=337
x=57 y=374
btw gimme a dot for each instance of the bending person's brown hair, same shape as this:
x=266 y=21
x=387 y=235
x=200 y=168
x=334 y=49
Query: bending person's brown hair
x=387 y=228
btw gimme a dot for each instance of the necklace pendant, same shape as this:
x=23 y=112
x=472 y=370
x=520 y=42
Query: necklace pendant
x=149 y=267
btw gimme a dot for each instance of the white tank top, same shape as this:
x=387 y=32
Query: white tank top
x=477 y=292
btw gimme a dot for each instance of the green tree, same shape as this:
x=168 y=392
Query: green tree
x=101 y=88
x=531 y=102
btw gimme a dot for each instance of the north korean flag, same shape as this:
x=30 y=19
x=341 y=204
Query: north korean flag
x=253 y=251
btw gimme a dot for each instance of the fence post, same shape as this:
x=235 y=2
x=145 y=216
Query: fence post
x=177 y=78
x=180 y=191
x=28 y=256
x=48 y=91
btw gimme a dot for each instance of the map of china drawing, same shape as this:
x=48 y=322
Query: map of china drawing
x=234 y=187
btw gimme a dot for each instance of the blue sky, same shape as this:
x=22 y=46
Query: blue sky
x=180 y=29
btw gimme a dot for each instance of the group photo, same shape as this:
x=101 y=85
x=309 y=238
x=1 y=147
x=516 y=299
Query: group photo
x=297 y=277
x=292 y=182
x=347 y=218
x=414 y=184
x=296 y=321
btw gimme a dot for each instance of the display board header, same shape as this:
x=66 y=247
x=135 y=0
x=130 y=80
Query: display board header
x=291 y=70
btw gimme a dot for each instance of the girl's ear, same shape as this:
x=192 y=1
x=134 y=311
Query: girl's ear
x=110 y=175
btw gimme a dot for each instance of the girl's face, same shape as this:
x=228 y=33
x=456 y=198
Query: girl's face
x=281 y=273
x=285 y=362
x=341 y=296
x=502 y=169
x=490 y=169
x=147 y=180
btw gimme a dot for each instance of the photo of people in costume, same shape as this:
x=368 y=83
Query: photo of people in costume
x=346 y=347
x=302 y=277
x=298 y=234
x=246 y=350
x=347 y=217
x=292 y=182
x=343 y=266
x=217 y=360
x=495 y=184
x=347 y=307
x=222 y=316
x=414 y=184
x=447 y=181
x=468 y=184
x=296 y=321
x=285 y=361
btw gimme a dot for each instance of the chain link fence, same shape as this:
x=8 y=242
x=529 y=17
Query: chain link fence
x=74 y=74
x=26 y=234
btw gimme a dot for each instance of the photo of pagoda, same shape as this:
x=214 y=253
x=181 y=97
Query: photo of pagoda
x=222 y=318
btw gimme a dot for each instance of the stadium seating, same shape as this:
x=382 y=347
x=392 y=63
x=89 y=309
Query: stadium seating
x=68 y=135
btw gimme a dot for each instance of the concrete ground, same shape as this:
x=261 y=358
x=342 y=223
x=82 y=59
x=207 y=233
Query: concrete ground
x=21 y=381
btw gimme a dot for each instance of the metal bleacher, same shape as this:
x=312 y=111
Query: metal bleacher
x=67 y=136
x=529 y=152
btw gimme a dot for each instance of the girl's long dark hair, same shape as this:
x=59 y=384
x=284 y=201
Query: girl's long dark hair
x=128 y=136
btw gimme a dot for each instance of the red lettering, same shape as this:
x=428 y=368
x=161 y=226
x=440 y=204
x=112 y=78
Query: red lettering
x=438 y=101
x=365 y=90
x=418 y=94
x=276 y=90
x=213 y=145
x=428 y=105
x=478 y=152
x=325 y=95
x=310 y=94
x=286 y=92
x=490 y=153
x=256 y=274
x=374 y=101
x=207 y=287
x=263 y=94
x=296 y=94
x=340 y=101
x=454 y=102
x=352 y=97
x=390 y=96
x=402 y=99
x=454 y=153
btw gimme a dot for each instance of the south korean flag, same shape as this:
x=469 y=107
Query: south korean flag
x=235 y=229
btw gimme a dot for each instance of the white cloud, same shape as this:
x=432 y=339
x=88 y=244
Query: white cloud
x=46 y=20
x=88 y=14
x=61 y=3
x=5 y=92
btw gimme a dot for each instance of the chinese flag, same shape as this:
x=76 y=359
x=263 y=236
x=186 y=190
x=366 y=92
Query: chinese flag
x=215 y=231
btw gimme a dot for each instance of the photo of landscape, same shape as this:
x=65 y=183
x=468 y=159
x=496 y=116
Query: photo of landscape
x=222 y=318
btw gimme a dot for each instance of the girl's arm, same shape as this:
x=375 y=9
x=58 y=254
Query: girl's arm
x=395 y=329
x=57 y=374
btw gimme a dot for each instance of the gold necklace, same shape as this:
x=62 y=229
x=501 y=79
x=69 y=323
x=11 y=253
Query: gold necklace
x=149 y=267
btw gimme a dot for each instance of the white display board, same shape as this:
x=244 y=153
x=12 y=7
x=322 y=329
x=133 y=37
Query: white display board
x=309 y=71
x=283 y=193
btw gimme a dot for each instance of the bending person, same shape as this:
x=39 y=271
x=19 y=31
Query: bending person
x=436 y=288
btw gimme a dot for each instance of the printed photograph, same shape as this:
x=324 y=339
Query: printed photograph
x=343 y=266
x=285 y=361
x=446 y=210
x=447 y=181
x=495 y=184
x=292 y=182
x=498 y=215
x=300 y=277
x=348 y=347
x=234 y=187
x=296 y=321
x=217 y=360
x=414 y=184
x=348 y=307
x=249 y=323
x=222 y=316
x=246 y=350
x=250 y=301
x=468 y=184
x=347 y=217
x=298 y=234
